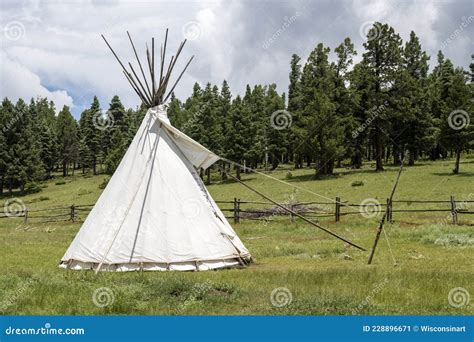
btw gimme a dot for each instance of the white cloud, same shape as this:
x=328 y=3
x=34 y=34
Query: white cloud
x=17 y=81
x=61 y=47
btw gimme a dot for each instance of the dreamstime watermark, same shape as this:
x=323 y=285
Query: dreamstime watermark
x=370 y=30
x=194 y=119
x=103 y=120
x=191 y=208
x=19 y=292
x=47 y=329
x=287 y=21
x=14 y=30
x=464 y=24
x=192 y=30
x=103 y=296
x=460 y=206
x=458 y=297
x=290 y=203
x=13 y=121
x=370 y=208
x=458 y=119
x=197 y=292
x=374 y=113
x=281 y=119
x=14 y=207
x=281 y=297
x=370 y=297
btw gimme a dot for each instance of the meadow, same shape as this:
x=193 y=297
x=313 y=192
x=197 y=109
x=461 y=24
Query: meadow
x=416 y=265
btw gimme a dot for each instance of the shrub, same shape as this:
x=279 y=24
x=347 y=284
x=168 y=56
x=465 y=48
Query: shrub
x=357 y=183
x=289 y=175
x=104 y=183
x=454 y=240
x=60 y=182
x=38 y=199
x=84 y=192
x=32 y=188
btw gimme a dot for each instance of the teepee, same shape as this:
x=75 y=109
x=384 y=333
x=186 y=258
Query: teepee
x=156 y=213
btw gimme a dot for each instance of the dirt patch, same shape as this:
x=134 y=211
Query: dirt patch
x=275 y=210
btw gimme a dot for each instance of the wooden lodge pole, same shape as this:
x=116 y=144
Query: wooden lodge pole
x=384 y=217
x=296 y=214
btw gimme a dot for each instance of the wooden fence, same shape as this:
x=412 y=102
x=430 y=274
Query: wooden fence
x=313 y=210
x=343 y=208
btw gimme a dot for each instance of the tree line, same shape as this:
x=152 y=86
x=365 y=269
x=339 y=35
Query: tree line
x=387 y=108
x=35 y=142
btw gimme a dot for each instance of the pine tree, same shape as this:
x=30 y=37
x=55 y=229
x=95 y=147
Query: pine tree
x=223 y=115
x=362 y=90
x=176 y=112
x=90 y=137
x=116 y=152
x=6 y=139
x=456 y=133
x=324 y=134
x=25 y=164
x=294 y=98
x=256 y=132
x=66 y=128
x=276 y=139
x=117 y=121
x=413 y=130
x=343 y=99
x=44 y=122
x=383 y=57
x=235 y=140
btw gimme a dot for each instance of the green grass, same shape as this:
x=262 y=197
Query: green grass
x=324 y=275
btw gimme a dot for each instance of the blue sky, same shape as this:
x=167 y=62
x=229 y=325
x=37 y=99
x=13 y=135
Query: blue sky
x=54 y=49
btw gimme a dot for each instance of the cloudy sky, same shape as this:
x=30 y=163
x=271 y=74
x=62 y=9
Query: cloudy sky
x=55 y=50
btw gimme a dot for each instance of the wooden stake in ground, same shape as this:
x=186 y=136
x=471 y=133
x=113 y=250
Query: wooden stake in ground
x=384 y=217
x=295 y=213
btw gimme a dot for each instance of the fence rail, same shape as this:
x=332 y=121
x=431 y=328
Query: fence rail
x=75 y=212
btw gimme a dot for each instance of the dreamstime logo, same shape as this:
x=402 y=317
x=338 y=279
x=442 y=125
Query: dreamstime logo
x=377 y=288
x=103 y=296
x=192 y=30
x=198 y=291
x=191 y=208
x=374 y=113
x=369 y=30
x=458 y=119
x=103 y=121
x=281 y=119
x=370 y=208
x=464 y=24
x=281 y=297
x=16 y=295
x=287 y=21
x=458 y=297
x=14 y=30
x=14 y=207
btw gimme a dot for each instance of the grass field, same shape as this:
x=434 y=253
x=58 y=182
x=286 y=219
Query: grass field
x=322 y=275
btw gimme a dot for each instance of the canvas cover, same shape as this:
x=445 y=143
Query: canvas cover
x=155 y=213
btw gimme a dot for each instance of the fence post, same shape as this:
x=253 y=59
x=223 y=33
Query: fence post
x=389 y=211
x=454 y=212
x=235 y=210
x=238 y=210
x=292 y=219
x=26 y=215
x=73 y=212
x=337 y=212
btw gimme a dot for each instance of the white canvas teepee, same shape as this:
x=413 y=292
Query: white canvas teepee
x=155 y=213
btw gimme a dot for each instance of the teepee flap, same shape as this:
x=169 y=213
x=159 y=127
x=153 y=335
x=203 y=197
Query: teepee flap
x=197 y=154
